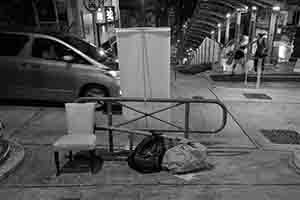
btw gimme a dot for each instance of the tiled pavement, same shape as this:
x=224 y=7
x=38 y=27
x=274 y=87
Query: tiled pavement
x=260 y=171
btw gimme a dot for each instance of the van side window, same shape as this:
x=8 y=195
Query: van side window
x=12 y=44
x=52 y=50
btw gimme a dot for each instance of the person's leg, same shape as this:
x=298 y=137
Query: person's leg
x=243 y=63
x=263 y=64
x=255 y=64
x=233 y=67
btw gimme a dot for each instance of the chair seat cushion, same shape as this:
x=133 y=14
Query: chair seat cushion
x=76 y=142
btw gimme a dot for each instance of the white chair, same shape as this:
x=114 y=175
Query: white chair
x=80 y=125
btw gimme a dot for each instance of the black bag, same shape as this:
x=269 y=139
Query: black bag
x=148 y=154
x=230 y=58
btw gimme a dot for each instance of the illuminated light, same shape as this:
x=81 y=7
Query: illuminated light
x=246 y=7
x=101 y=52
x=276 y=8
x=219 y=25
x=254 y=8
x=212 y=32
x=228 y=15
x=178 y=40
x=113 y=74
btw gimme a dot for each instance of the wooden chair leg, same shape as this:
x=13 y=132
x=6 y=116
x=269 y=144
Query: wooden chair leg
x=56 y=159
x=92 y=160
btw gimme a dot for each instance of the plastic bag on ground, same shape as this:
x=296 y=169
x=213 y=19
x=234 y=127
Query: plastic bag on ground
x=185 y=158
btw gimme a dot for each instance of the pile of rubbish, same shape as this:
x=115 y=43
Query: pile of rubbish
x=176 y=155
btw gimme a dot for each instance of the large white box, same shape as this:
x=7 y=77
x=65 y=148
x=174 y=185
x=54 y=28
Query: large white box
x=144 y=60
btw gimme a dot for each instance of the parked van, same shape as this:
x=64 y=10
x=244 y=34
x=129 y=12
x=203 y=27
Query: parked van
x=54 y=67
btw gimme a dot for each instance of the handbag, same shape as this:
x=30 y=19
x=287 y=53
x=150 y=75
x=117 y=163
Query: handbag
x=230 y=58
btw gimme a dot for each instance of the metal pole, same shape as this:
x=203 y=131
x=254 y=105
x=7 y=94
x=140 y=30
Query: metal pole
x=36 y=15
x=214 y=39
x=56 y=14
x=143 y=13
x=238 y=26
x=110 y=133
x=219 y=33
x=95 y=29
x=227 y=29
x=252 y=30
x=271 y=34
x=118 y=13
x=214 y=44
x=187 y=120
x=204 y=50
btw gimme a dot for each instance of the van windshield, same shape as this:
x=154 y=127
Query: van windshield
x=84 y=47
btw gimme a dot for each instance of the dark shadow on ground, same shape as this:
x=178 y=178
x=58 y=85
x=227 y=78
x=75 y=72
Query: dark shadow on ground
x=193 y=69
x=31 y=103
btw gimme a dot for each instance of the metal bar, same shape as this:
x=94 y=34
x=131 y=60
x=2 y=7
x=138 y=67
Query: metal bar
x=187 y=120
x=149 y=115
x=138 y=132
x=139 y=99
x=153 y=130
x=110 y=133
x=165 y=100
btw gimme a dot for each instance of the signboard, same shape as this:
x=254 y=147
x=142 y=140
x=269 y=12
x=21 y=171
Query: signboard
x=93 y=5
x=110 y=14
x=106 y=15
x=100 y=16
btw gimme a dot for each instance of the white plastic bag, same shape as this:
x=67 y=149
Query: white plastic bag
x=185 y=158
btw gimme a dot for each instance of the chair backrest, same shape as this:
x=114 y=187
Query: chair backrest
x=80 y=118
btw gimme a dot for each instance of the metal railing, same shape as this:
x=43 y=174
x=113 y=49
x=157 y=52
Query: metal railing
x=109 y=102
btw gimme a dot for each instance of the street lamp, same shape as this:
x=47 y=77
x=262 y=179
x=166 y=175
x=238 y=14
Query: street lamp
x=276 y=8
x=254 y=8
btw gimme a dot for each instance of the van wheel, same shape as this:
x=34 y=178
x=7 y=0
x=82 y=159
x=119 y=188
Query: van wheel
x=95 y=91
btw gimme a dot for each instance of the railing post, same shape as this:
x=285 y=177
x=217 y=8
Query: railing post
x=110 y=133
x=187 y=120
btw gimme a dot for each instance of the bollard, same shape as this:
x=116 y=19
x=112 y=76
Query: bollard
x=258 y=73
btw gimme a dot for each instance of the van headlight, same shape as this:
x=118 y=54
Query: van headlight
x=114 y=74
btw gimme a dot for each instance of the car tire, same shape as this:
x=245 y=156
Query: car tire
x=95 y=91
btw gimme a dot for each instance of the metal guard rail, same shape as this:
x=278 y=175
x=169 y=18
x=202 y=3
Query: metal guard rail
x=108 y=101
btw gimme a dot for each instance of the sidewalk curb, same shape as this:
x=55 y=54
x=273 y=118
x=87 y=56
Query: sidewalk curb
x=15 y=159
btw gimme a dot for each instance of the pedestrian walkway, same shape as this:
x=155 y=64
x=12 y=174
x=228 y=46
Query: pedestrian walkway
x=246 y=164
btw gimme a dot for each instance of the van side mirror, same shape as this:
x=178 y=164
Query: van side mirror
x=68 y=58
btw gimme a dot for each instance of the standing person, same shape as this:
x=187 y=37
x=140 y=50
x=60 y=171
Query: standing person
x=239 y=57
x=261 y=51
